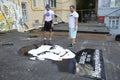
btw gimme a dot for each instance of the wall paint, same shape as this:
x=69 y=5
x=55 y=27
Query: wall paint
x=10 y=16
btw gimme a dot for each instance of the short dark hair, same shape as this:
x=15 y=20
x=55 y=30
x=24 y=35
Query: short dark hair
x=47 y=6
x=73 y=6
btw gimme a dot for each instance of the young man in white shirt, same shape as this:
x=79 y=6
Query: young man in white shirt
x=73 y=25
x=48 y=22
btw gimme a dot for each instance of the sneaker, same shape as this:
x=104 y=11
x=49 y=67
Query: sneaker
x=44 y=39
x=71 y=45
x=50 y=38
x=50 y=42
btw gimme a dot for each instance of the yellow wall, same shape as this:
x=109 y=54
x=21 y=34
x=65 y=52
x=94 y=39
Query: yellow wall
x=33 y=13
x=62 y=10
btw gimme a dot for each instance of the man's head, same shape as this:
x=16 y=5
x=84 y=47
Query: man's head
x=72 y=8
x=47 y=7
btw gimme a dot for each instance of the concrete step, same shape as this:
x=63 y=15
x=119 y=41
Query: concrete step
x=84 y=28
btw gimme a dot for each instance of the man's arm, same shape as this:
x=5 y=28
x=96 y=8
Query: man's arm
x=53 y=20
x=43 y=21
x=76 y=23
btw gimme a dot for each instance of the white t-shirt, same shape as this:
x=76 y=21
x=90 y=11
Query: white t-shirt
x=48 y=15
x=72 y=17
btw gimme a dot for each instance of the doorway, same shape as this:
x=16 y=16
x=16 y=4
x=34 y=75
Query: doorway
x=87 y=10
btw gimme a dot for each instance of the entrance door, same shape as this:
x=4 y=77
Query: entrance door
x=87 y=10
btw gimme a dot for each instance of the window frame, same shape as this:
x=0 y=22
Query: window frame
x=25 y=12
x=35 y=3
x=114 y=4
x=52 y=3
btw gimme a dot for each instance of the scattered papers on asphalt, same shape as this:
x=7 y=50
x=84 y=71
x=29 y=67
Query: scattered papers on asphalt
x=56 y=53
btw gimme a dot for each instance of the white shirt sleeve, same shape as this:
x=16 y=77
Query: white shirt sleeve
x=76 y=15
x=52 y=12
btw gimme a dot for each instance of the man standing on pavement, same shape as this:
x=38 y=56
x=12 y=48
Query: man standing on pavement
x=48 y=22
x=73 y=25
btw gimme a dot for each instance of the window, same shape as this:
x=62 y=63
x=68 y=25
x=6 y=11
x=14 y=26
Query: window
x=24 y=11
x=52 y=3
x=114 y=22
x=104 y=3
x=35 y=3
x=109 y=3
x=115 y=3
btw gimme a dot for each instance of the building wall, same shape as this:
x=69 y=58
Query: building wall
x=62 y=10
x=111 y=13
x=36 y=13
x=11 y=16
x=105 y=7
x=33 y=13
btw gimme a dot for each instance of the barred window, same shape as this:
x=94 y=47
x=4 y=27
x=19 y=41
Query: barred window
x=114 y=22
x=24 y=11
x=52 y=3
